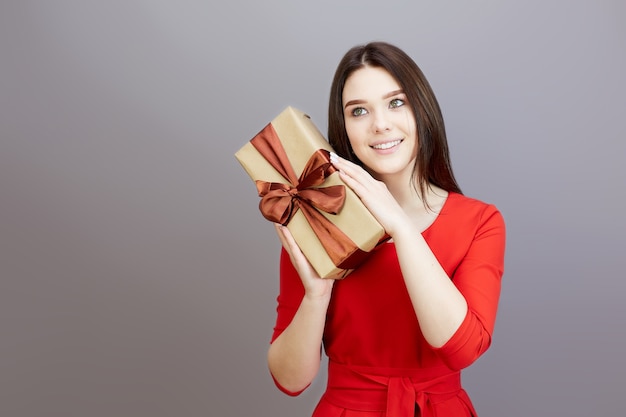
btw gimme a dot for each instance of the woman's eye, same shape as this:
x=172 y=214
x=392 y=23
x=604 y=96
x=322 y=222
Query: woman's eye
x=358 y=111
x=396 y=102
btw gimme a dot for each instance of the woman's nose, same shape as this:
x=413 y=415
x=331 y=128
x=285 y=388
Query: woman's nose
x=380 y=123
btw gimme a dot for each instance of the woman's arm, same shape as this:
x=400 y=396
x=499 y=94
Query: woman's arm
x=439 y=306
x=294 y=356
x=465 y=311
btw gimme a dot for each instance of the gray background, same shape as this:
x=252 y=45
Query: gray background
x=138 y=277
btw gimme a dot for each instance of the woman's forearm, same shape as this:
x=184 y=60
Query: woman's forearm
x=294 y=357
x=439 y=306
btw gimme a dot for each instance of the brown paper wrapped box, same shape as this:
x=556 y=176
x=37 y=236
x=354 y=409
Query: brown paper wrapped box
x=288 y=160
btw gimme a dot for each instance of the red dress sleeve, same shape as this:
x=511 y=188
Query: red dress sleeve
x=478 y=278
x=288 y=301
x=291 y=293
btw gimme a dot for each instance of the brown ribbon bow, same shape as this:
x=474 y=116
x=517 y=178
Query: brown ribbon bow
x=279 y=202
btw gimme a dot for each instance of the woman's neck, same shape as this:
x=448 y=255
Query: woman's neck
x=409 y=196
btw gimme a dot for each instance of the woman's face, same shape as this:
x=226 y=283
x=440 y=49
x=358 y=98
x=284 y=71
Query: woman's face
x=379 y=122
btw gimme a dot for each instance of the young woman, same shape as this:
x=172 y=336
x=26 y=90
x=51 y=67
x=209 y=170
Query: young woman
x=400 y=328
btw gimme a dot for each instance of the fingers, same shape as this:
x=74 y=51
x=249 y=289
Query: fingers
x=348 y=172
x=355 y=177
x=345 y=166
x=281 y=234
x=373 y=193
x=285 y=237
x=291 y=246
x=287 y=240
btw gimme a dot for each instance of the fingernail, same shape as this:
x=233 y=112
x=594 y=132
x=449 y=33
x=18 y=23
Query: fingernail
x=333 y=157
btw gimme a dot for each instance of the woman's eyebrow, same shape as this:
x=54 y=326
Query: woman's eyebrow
x=393 y=93
x=352 y=102
x=386 y=96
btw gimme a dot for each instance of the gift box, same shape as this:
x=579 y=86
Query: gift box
x=299 y=188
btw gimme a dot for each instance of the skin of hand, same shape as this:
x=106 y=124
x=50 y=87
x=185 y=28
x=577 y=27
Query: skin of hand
x=373 y=193
x=314 y=286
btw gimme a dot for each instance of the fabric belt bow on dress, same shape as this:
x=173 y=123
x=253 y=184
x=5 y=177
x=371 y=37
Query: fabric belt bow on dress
x=395 y=391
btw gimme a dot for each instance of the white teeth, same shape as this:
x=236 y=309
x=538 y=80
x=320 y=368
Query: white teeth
x=387 y=145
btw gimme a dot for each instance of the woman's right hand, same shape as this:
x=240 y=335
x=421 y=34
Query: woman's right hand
x=314 y=286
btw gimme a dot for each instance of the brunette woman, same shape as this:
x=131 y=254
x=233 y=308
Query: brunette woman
x=400 y=328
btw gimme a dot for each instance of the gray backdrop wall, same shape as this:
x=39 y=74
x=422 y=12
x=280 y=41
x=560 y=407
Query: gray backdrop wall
x=139 y=279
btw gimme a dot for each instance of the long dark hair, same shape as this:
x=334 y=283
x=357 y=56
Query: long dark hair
x=432 y=165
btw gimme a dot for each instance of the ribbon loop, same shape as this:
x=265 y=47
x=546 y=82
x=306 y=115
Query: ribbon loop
x=329 y=199
x=280 y=201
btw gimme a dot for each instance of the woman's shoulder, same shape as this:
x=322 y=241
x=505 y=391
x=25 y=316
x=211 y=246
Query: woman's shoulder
x=470 y=209
x=462 y=201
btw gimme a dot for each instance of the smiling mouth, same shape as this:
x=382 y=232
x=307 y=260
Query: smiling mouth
x=387 y=145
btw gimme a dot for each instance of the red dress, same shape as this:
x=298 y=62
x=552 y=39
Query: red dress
x=379 y=362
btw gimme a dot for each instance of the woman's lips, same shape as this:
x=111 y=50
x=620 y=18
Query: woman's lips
x=387 y=145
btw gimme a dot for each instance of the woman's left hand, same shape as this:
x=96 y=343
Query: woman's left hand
x=373 y=193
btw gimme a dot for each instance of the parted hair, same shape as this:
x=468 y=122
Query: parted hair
x=432 y=165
